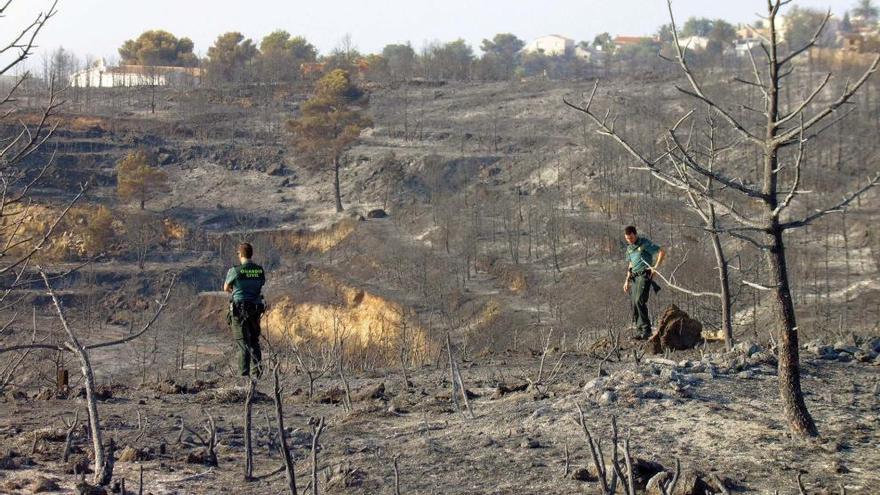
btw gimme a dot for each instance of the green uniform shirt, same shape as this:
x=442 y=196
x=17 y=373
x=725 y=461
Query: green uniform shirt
x=641 y=254
x=247 y=281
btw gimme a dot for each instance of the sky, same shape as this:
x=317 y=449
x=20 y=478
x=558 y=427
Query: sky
x=99 y=27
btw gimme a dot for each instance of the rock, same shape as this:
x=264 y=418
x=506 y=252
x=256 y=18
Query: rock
x=654 y=484
x=827 y=352
x=165 y=159
x=377 y=213
x=501 y=390
x=643 y=471
x=582 y=474
x=371 y=393
x=689 y=483
x=761 y=358
x=131 y=454
x=675 y=331
x=530 y=443
x=747 y=348
x=607 y=398
x=445 y=394
x=488 y=442
x=703 y=376
x=102 y=392
x=347 y=476
x=844 y=346
x=45 y=394
x=275 y=170
x=821 y=351
x=230 y=395
x=596 y=384
x=662 y=361
x=692 y=367
x=692 y=483
x=200 y=457
x=669 y=374
x=691 y=379
x=169 y=387
x=334 y=395
x=42 y=484
x=864 y=357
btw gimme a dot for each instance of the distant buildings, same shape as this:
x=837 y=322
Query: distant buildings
x=694 y=42
x=100 y=75
x=550 y=45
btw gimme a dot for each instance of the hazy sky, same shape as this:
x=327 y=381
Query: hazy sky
x=98 y=27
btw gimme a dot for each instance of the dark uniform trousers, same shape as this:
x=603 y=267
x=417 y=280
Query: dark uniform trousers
x=639 y=292
x=245 y=322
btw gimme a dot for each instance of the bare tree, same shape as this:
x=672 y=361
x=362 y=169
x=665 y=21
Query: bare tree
x=317 y=426
x=707 y=213
x=16 y=179
x=282 y=432
x=74 y=345
x=781 y=133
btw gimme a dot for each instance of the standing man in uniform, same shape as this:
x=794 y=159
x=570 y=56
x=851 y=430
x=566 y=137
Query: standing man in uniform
x=245 y=283
x=640 y=253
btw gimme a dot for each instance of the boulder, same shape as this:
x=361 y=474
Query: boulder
x=503 y=389
x=131 y=454
x=371 y=393
x=45 y=394
x=643 y=471
x=747 y=348
x=693 y=483
x=607 y=398
x=530 y=443
x=275 y=169
x=689 y=483
x=166 y=158
x=582 y=474
x=676 y=330
x=657 y=483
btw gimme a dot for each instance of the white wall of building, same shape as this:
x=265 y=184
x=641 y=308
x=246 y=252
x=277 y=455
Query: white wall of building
x=551 y=45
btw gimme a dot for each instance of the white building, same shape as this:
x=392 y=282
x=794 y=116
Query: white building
x=550 y=45
x=695 y=43
x=742 y=47
x=583 y=53
x=101 y=76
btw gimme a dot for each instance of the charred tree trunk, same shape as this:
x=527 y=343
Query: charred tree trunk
x=799 y=418
x=337 y=196
x=789 y=360
x=723 y=280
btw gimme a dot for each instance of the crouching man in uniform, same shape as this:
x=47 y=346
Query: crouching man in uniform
x=245 y=283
